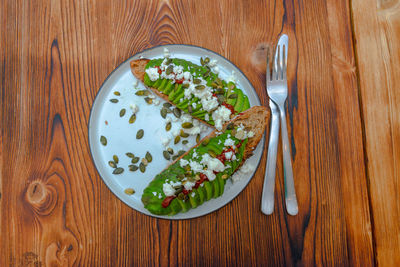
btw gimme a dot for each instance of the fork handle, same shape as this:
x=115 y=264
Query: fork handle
x=267 y=199
x=290 y=193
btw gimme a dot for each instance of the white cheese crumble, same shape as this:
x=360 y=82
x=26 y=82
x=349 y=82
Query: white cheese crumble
x=206 y=117
x=168 y=190
x=213 y=164
x=156 y=102
x=154 y=193
x=221 y=115
x=193 y=194
x=195 y=166
x=229 y=142
x=250 y=134
x=134 y=108
x=159 y=195
x=228 y=155
x=183 y=162
x=247 y=167
x=189 y=185
x=153 y=74
x=212 y=63
x=165 y=141
x=166 y=53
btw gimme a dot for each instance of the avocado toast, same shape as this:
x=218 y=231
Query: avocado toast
x=201 y=173
x=194 y=89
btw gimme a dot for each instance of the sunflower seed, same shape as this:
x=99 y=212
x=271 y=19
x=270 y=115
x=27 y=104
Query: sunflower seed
x=181 y=196
x=200 y=87
x=133 y=168
x=166 y=155
x=197 y=138
x=233 y=96
x=117 y=93
x=130 y=155
x=115 y=158
x=142 y=167
x=167 y=105
x=190 y=109
x=122 y=112
x=132 y=119
x=135 y=160
x=212 y=153
x=103 y=140
x=142 y=93
x=169 y=69
x=139 y=134
x=118 y=170
x=112 y=164
x=149 y=157
x=230 y=126
x=177 y=112
x=175 y=157
x=185 y=142
x=206 y=60
x=170 y=150
x=168 y=126
x=129 y=191
x=114 y=100
x=196 y=81
x=187 y=125
x=181 y=152
x=163 y=112
x=177 y=139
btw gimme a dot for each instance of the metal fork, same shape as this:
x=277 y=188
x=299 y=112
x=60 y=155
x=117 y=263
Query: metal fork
x=277 y=91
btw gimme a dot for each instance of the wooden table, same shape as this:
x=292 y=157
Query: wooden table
x=344 y=125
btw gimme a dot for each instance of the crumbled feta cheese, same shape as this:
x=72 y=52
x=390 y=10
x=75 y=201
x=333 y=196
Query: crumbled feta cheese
x=168 y=190
x=247 y=167
x=194 y=105
x=210 y=174
x=175 y=132
x=154 y=193
x=195 y=166
x=187 y=75
x=209 y=103
x=194 y=154
x=183 y=162
x=174 y=119
x=228 y=155
x=193 y=194
x=153 y=74
x=212 y=63
x=156 y=102
x=134 y=108
x=202 y=184
x=189 y=185
x=166 y=53
x=213 y=164
x=229 y=142
x=159 y=195
x=165 y=141
x=206 y=117
x=168 y=119
x=221 y=115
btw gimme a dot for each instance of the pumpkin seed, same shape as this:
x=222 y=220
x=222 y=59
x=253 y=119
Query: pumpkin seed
x=103 y=140
x=133 y=168
x=202 y=61
x=129 y=191
x=207 y=60
x=132 y=119
x=149 y=157
x=163 y=112
x=166 y=155
x=185 y=85
x=118 y=170
x=167 y=105
x=220 y=99
x=144 y=161
x=205 y=142
x=168 y=126
x=212 y=153
x=169 y=70
x=177 y=139
x=181 y=152
x=142 y=167
x=200 y=87
x=233 y=96
x=197 y=138
x=135 y=160
x=117 y=93
x=115 y=158
x=183 y=134
x=214 y=85
x=181 y=196
x=170 y=150
x=130 y=155
x=190 y=109
x=181 y=176
x=187 y=125
x=112 y=164
x=206 y=74
x=179 y=189
x=220 y=91
x=142 y=93
x=224 y=176
x=185 y=142
x=196 y=81
x=114 y=100
x=218 y=81
x=148 y=100
x=177 y=112
x=230 y=126
x=168 y=61
x=139 y=134
x=122 y=112
x=175 y=157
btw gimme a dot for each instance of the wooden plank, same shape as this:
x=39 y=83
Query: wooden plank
x=377 y=35
x=56 y=210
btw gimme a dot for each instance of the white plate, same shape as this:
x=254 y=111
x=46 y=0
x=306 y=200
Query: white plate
x=121 y=136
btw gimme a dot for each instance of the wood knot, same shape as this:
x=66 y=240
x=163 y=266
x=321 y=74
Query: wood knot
x=259 y=56
x=42 y=198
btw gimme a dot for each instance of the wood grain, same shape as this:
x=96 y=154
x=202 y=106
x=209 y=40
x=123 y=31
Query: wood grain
x=377 y=32
x=55 y=209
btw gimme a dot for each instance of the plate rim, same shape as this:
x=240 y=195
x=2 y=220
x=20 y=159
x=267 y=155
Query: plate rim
x=166 y=217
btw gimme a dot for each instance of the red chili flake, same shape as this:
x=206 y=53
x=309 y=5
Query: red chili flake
x=179 y=81
x=106 y=122
x=167 y=201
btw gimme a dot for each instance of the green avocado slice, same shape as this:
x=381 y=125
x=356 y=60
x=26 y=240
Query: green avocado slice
x=209 y=190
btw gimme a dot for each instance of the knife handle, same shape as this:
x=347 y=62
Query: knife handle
x=267 y=199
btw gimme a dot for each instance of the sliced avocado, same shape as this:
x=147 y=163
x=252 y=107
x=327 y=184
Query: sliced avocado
x=240 y=99
x=177 y=91
x=209 y=189
x=184 y=204
x=147 y=80
x=194 y=200
x=183 y=104
x=178 y=97
x=246 y=104
x=202 y=194
x=215 y=184
x=157 y=83
x=163 y=85
x=221 y=183
x=156 y=208
x=170 y=86
x=175 y=207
